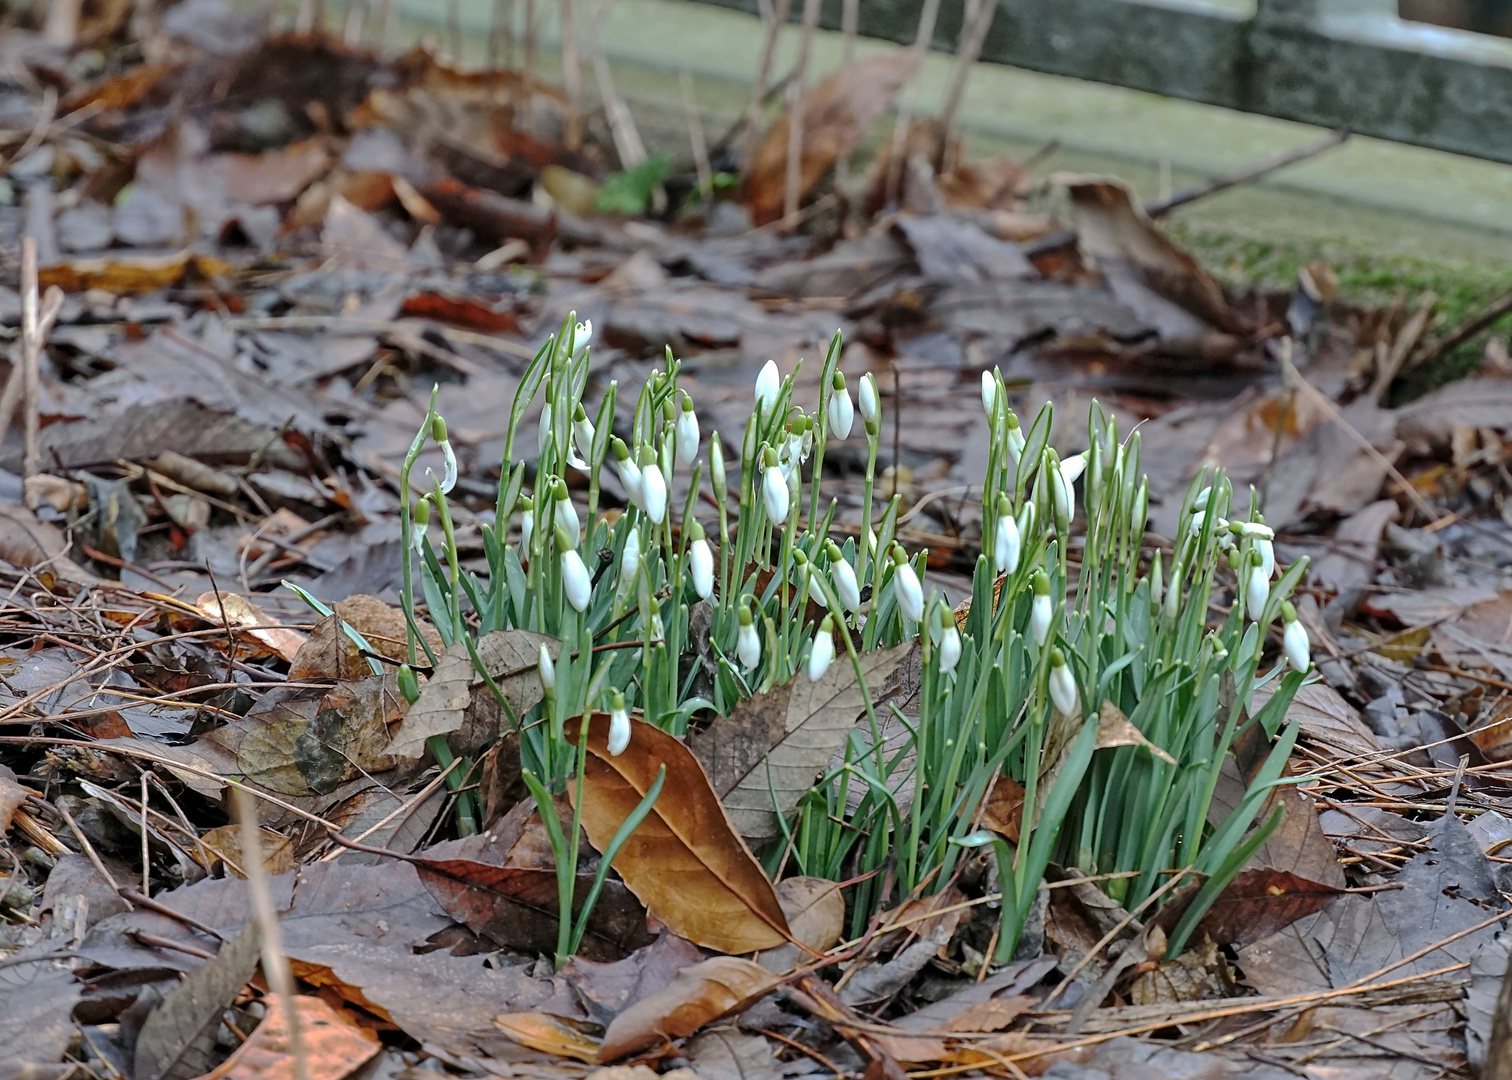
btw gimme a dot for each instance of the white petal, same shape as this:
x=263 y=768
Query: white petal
x=1256 y=592
x=768 y=385
x=575 y=581
x=846 y=587
x=820 y=656
x=1006 y=545
x=619 y=732
x=1267 y=552
x=909 y=592
x=449 y=477
x=1039 y=618
x=774 y=495
x=687 y=437
x=701 y=567
x=950 y=649
x=1063 y=690
x=546 y=668
x=989 y=393
x=654 y=494
x=842 y=415
x=748 y=646
x=1296 y=646
x=866 y=396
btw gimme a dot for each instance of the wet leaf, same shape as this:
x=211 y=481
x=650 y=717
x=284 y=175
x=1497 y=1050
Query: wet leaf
x=781 y=740
x=837 y=114
x=698 y=995
x=333 y=1048
x=685 y=861
x=455 y=688
x=815 y=912
x=178 y=1040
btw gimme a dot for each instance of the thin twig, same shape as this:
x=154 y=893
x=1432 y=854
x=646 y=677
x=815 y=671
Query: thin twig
x=627 y=139
x=927 y=16
x=774 y=26
x=793 y=182
x=968 y=47
x=696 y=141
x=572 y=77
x=1464 y=332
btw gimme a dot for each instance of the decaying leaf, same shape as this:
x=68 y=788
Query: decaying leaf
x=12 y=795
x=837 y=114
x=778 y=742
x=241 y=614
x=455 y=698
x=129 y=274
x=1196 y=975
x=685 y=861
x=178 y=1041
x=1115 y=729
x=1004 y=810
x=815 y=912
x=328 y=653
x=549 y=1034
x=698 y=995
x=332 y=1047
x=302 y=740
x=225 y=841
x=383 y=626
x=726 y=1053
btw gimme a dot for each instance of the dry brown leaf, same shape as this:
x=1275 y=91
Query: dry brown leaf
x=698 y=995
x=302 y=740
x=243 y=615
x=778 y=742
x=837 y=114
x=383 y=626
x=36 y=545
x=815 y=913
x=685 y=862
x=1116 y=729
x=455 y=697
x=548 y=1034
x=12 y=795
x=328 y=653
x=1004 y=812
x=277 y=849
x=126 y=275
x=333 y=1048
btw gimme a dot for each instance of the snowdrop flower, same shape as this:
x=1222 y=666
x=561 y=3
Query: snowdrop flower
x=629 y=473
x=747 y=640
x=1006 y=542
x=808 y=579
x=1256 y=592
x=1267 y=557
x=1062 y=492
x=575 y=581
x=566 y=515
x=842 y=414
x=774 y=492
x=1157 y=582
x=654 y=493
x=768 y=386
x=1294 y=641
x=630 y=559
x=1201 y=501
x=582 y=334
x=545 y=437
x=906 y=587
x=619 y=725
x=1072 y=467
x=823 y=652
x=950 y=641
x=1256 y=530
x=419 y=519
x=527 y=524
x=846 y=588
x=1220 y=526
x=701 y=563
x=989 y=393
x=1040 y=609
x=687 y=432
x=870 y=403
x=582 y=438
x=1062 y=685
x=449 y=472
x=1015 y=438
x=546 y=669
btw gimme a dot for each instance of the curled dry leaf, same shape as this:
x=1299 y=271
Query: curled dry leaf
x=778 y=742
x=1004 y=811
x=698 y=995
x=329 y=653
x=243 y=615
x=685 y=861
x=178 y=1041
x=549 y=1034
x=455 y=697
x=12 y=795
x=333 y=1048
x=815 y=913
x=1116 y=729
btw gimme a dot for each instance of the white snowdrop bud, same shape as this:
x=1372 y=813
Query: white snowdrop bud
x=701 y=567
x=419 y=519
x=908 y=589
x=654 y=492
x=1294 y=641
x=582 y=438
x=823 y=652
x=842 y=414
x=1040 y=609
x=687 y=433
x=768 y=386
x=566 y=515
x=950 y=641
x=747 y=640
x=1256 y=592
x=619 y=726
x=1015 y=438
x=630 y=559
x=1062 y=686
x=989 y=393
x=546 y=668
x=844 y=577
x=870 y=403
x=629 y=473
x=774 y=494
x=1267 y=557
x=582 y=334
x=1062 y=492
x=575 y=581
x=1006 y=543
x=1072 y=467
x=449 y=470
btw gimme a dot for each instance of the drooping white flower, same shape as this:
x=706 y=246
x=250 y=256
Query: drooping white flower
x=1006 y=543
x=449 y=471
x=869 y=402
x=1294 y=641
x=1201 y=501
x=909 y=591
x=816 y=588
x=1220 y=526
x=566 y=515
x=1062 y=492
x=1256 y=530
x=1256 y=592
x=768 y=386
x=989 y=393
x=842 y=414
x=950 y=645
x=582 y=334
x=582 y=439
x=619 y=726
x=747 y=641
x=575 y=581
x=1062 y=686
x=654 y=493
x=1072 y=467
x=527 y=528
x=546 y=669
x=630 y=559
x=629 y=473
x=774 y=495
x=1015 y=438
x=701 y=568
x=1040 y=609
x=846 y=588
x=419 y=520
x=1267 y=552
x=687 y=433
x=823 y=652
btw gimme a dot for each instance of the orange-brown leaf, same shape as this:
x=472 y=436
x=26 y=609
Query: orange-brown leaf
x=548 y=1034
x=333 y=1048
x=698 y=994
x=685 y=862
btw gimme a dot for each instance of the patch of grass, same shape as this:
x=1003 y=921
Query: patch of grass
x=1367 y=278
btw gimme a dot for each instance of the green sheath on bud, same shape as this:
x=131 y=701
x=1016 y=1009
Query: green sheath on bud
x=409 y=683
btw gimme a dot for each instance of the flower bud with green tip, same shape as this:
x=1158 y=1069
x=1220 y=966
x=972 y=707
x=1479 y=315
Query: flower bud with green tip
x=844 y=576
x=1294 y=642
x=575 y=581
x=950 y=639
x=546 y=670
x=841 y=413
x=1006 y=542
x=1063 y=686
x=419 y=520
x=907 y=587
x=870 y=404
x=700 y=562
x=687 y=432
x=629 y=472
x=747 y=639
x=822 y=654
x=1040 y=609
x=619 y=725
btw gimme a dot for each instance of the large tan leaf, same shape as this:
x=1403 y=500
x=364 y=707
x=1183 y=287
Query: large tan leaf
x=837 y=114
x=698 y=994
x=685 y=861
x=333 y=1047
x=780 y=741
x=815 y=913
x=455 y=697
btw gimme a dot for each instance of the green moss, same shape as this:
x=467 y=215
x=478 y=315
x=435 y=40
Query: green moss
x=1367 y=278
